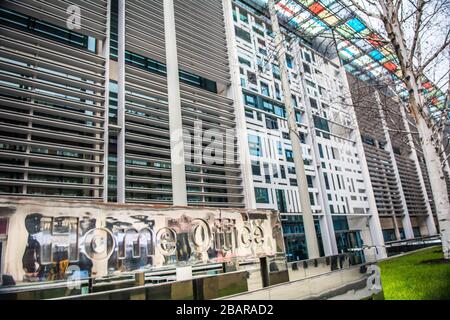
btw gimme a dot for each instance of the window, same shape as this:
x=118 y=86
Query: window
x=340 y=223
x=114 y=45
x=417 y=233
x=256 y=168
x=368 y=140
x=250 y=100
x=256 y=30
x=289 y=156
x=259 y=116
x=276 y=72
x=281 y=201
x=198 y=81
x=280 y=148
x=277 y=91
x=245 y=62
x=322 y=90
x=267 y=173
x=279 y=111
x=294 y=101
x=3 y=227
x=312 y=199
x=249 y=113
x=310 y=83
x=307 y=68
x=313 y=103
x=327 y=182
x=243 y=16
x=262 y=51
x=310 y=181
x=298 y=117
x=47 y=30
x=154 y=66
x=389 y=235
x=283 y=172
x=275 y=170
x=302 y=137
x=321 y=124
x=289 y=61
x=265 y=89
x=307 y=57
x=261 y=65
x=320 y=151
x=252 y=78
x=267 y=106
x=244 y=35
x=254 y=143
x=262 y=195
x=402 y=233
x=113 y=101
x=271 y=123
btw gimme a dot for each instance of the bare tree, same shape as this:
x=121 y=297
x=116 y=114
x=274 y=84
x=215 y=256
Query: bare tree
x=409 y=26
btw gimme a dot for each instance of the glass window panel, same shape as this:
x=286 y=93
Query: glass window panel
x=356 y=25
x=332 y=20
x=316 y=8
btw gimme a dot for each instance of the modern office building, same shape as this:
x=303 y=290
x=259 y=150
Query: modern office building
x=397 y=170
x=78 y=123
x=141 y=102
x=339 y=191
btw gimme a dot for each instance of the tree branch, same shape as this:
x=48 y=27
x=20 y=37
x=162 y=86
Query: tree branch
x=434 y=56
x=419 y=14
x=360 y=8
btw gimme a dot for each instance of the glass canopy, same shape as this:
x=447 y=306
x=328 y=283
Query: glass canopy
x=363 y=52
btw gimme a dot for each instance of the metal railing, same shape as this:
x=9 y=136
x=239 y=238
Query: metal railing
x=406 y=245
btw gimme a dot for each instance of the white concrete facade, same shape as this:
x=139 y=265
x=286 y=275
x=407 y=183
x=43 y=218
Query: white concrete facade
x=331 y=154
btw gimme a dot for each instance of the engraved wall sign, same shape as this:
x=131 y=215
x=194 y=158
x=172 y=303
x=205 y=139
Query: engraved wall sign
x=107 y=240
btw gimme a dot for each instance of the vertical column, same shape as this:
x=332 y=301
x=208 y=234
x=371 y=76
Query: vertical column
x=407 y=227
x=235 y=93
x=106 y=53
x=308 y=219
x=175 y=116
x=374 y=220
x=326 y=222
x=121 y=105
x=430 y=220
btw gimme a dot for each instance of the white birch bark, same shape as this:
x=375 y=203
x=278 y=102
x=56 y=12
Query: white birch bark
x=435 y=170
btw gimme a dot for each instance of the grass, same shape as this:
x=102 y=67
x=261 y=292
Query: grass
x=406 y=278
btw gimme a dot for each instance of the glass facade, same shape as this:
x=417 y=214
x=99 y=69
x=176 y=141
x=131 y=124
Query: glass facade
x=294 y=237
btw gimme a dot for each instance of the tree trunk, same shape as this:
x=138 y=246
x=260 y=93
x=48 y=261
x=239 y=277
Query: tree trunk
x=435 y=170
x=438 y=184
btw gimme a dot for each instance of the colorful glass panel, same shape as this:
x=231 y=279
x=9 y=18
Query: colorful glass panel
x=356 y=25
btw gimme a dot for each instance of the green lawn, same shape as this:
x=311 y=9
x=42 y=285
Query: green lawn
x=406 y=278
